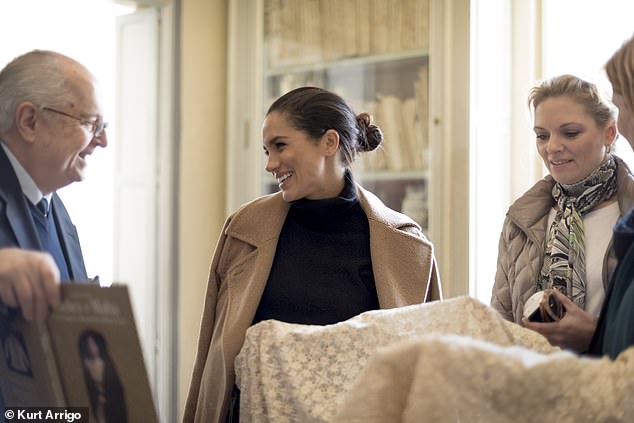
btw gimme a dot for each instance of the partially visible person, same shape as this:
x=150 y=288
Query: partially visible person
x=50 y=122
x=620 y=71
x=558 y=234
x=615 y=330
x=320 y=251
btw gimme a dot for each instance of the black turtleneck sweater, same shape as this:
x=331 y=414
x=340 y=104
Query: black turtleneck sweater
x=322 y=270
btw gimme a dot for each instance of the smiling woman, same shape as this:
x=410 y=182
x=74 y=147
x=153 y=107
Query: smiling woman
x=558 y=234
x=318 y=252
x=62 y=25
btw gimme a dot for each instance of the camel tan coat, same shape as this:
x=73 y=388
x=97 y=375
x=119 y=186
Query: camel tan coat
x=403 y=262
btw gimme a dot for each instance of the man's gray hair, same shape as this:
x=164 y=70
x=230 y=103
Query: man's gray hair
x=36 y=76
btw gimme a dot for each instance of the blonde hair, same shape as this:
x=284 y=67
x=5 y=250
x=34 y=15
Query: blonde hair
x=578 y=90
x=620 y=70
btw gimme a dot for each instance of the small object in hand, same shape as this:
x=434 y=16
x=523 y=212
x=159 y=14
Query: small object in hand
x=543 y=306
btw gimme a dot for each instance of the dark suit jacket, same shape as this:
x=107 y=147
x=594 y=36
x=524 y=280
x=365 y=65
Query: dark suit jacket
x=17 y=228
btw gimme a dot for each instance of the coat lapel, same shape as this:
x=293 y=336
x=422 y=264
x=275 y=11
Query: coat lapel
x=259 y=227
x=69 y=240
x=14 y=205
x=16 y=208
x=399 y=258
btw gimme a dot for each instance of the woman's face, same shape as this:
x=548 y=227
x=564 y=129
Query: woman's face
x=299 y=164
x=569 y=140
x=626 y=118
x=93 y=349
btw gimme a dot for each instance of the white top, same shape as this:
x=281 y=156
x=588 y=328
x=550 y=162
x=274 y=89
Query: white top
x=598 y=226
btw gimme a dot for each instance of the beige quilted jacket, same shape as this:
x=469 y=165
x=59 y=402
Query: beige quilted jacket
x=521 y=246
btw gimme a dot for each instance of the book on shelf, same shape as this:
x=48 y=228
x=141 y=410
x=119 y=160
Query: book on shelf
x=389 y=112
x=273 y=31
x=409 y=141
x=87 y=353
x=307 y=31
x=421 y=93
x=380 y=24
x=395 y=25
x=421 y=23
x=363 y=29
x=407 y=33
x=309 y=25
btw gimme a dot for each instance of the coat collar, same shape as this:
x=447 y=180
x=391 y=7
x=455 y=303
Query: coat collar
x=625 y=186
x=16 y=209
x=261 y=220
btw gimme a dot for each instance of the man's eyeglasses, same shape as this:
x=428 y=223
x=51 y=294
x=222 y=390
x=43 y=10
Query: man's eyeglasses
x=96 y=127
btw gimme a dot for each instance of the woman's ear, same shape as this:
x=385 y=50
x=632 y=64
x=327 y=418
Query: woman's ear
x=330 y=142
x=26 y=120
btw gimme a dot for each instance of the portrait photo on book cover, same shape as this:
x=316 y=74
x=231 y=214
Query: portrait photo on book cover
x=105 y=390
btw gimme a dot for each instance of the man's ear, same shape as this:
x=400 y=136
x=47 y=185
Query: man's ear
x=330 y=142
x=26 y=120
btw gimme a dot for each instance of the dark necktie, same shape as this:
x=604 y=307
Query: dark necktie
x=43 y=206
x=49 y=239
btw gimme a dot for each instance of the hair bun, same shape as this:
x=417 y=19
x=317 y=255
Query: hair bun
x=370 y=135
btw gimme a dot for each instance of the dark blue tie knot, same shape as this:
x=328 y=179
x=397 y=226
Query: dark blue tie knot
x=43 y=206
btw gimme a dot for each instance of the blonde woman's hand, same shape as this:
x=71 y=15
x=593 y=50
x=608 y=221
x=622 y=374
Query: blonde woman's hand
x=29 y=280
x=574 y=331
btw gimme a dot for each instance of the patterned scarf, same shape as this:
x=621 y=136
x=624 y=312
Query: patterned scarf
x=564 y=265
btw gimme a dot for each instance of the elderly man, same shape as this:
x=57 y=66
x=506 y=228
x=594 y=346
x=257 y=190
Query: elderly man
x=50 y=121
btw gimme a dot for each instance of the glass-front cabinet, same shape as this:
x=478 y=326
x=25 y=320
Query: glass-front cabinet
x=383 y=57
x=375 y=54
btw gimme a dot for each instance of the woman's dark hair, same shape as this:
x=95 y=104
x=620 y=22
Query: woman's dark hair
x=315 y=110
x=115 y=407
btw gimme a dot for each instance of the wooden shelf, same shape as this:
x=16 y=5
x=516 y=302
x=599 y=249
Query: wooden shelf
x=391 y=175
x=345 y=62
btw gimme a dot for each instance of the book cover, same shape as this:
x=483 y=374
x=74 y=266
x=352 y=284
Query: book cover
x=27 y=359
x=86 y=354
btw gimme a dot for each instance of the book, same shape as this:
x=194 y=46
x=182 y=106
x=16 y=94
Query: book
x=389 y=110
x=87 y=353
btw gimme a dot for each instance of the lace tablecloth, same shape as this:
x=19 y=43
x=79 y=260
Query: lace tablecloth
x=303 y=373
x=448 y=378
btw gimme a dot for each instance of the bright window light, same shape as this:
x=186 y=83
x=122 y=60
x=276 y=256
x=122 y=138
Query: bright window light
x=580 y=37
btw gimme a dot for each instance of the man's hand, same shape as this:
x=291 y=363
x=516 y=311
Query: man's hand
x=29 y=280
x=574 y=331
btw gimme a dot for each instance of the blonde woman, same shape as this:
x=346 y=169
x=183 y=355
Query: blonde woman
x=558 y=234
